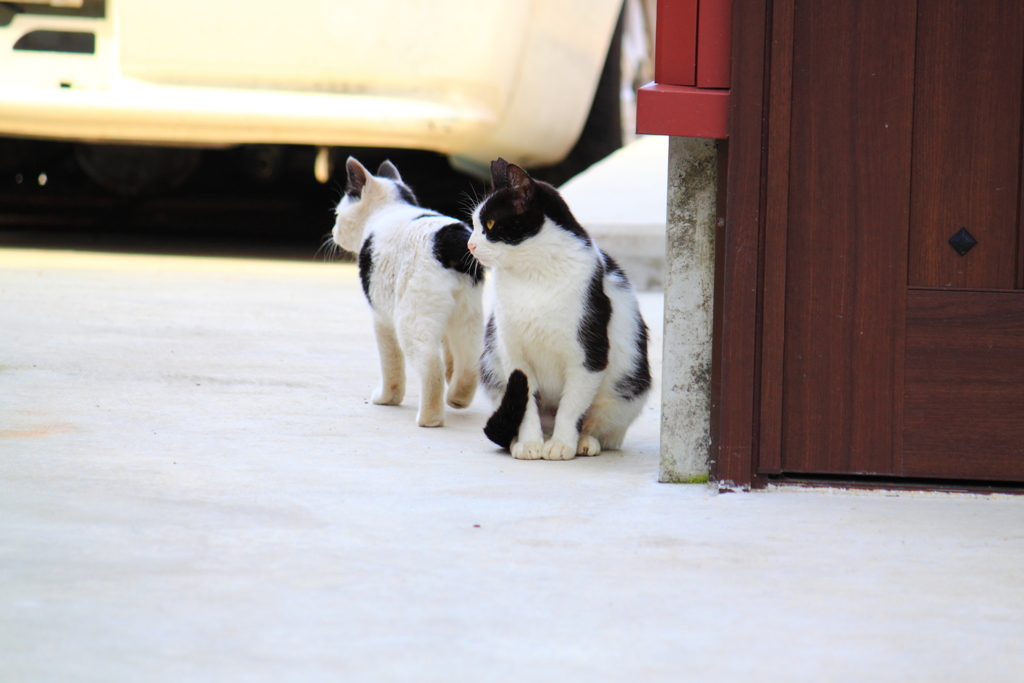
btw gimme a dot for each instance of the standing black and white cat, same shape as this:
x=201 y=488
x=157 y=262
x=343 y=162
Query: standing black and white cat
x=422 y=284
x=566 y=338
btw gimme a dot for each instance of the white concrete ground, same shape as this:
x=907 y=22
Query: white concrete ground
x=193 y=487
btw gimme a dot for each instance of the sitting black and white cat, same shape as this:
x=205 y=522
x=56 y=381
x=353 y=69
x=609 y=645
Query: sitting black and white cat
x=566 y=338
x=422 y=284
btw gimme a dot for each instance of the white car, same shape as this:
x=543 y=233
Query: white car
x=471 y=79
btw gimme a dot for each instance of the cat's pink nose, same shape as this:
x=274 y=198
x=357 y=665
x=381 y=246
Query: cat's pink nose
x=472 y=247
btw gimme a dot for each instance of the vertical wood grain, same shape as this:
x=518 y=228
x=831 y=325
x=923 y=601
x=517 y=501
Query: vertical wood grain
x=776 y=222
x=967 y=127
x=1020 y=202
x=737 y=255
x=849 y=195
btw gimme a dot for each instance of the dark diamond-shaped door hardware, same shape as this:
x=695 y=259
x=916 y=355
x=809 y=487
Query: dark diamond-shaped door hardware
x=963 y=241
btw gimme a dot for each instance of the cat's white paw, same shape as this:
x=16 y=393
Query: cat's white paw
x=588 y=445
x=388 y=396
x=461 y=399
x=428 y=418
x=460 y=394
x=527 y=450
x=556 y=450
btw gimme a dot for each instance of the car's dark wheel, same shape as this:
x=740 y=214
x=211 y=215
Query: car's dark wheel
x=135 y=170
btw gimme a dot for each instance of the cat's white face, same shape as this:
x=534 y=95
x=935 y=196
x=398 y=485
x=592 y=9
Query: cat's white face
x=486 y=252
x=348 y=224
x=523 y=223
x=365 y=194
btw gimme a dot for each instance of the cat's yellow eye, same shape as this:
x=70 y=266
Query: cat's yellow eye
x=490 y=224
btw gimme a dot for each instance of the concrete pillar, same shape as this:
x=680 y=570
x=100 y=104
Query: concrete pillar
x=689 y=298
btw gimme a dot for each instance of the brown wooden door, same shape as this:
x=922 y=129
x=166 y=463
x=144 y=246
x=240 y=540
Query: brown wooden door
x=894 y=124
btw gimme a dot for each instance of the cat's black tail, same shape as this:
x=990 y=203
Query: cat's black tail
x=503 y=426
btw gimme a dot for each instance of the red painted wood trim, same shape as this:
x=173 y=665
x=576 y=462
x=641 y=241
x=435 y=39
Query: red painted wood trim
x=714 y=43
x=682 y=111
x=675 y=42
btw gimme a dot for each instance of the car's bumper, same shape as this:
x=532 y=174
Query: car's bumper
x=140 y=112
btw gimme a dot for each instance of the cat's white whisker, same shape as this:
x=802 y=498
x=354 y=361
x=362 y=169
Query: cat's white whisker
x=323 y=247
x=329 y=248
x=470 y=202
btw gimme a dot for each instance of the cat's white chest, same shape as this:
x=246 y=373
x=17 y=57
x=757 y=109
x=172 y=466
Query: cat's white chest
x=539 y=323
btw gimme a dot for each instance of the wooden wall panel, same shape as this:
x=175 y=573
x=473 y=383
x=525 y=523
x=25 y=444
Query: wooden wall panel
x=776 y=218
x=849 y=195
x=734 y=351
x=964 y=406
x=967 y=127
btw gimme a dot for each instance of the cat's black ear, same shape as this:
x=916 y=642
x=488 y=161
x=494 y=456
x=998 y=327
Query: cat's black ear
x=521 y=185
x=388 y=170
x=356 y=177
x=499 y=168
